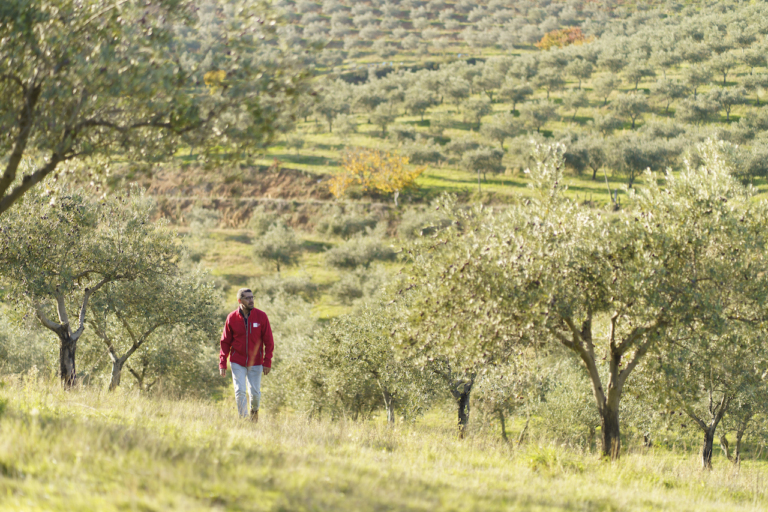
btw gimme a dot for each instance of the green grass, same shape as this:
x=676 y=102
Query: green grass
x=86 y=449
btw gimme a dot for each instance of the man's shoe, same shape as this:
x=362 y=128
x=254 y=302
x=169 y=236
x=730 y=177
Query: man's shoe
x=254 y=416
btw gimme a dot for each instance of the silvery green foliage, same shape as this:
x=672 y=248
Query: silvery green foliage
x=24 y=344
x=345 y=222
x=131 y=81
x=483 y=160
x=351 y=369
x=295 y=331
x=59 y=248
x=500 y=128
x=565 y=410
x=422 y=150
x=61 y=244
x=279 y=245
x=362 y=249
x=551 y=271
x=161 y=329
x=416 y=222
x=536 y=115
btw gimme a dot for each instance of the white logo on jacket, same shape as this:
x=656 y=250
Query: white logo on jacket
x=255 y=325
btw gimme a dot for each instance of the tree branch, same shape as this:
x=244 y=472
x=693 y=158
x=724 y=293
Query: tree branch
x=139 y=379
x=695 y=418
x=142 y=340
x=639 y=354
x=27 y=120
x=14 y=79
x=50 y=324
x=101 y=332
x=88 y=292
x=98 y=14
x=29 y=181
x=638 y=332
x=61 y=307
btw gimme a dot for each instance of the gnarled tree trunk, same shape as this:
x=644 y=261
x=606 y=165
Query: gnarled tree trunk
x=503 y=422
x=461 y=393
x=67 y=338
x=117 y=370
x=717 y=411
x=67 y=351
x=611 y=435
x=706 y=449
x=389 y=403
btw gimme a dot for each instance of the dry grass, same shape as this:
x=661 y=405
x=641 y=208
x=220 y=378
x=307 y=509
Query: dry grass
x=89 y=450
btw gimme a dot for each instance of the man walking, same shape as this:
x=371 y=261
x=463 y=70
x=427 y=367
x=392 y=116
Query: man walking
x=247 y=341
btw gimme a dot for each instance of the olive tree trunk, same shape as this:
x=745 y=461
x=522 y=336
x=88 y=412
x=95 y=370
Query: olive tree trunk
x=67 y=351
x=117 y=369
x=67 y=337
x=579 y=340
x=503 y=422
x=741 y=429
x=461 y=394
x=389 y=403
x=717 y=410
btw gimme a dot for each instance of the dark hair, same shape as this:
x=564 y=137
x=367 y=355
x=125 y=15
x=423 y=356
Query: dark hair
x=242 y=292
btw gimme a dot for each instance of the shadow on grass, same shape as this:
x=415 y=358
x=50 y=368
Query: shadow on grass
x=236 y=279
x=305 y=159
x=493 y=180
x=425 y=123
x=315 y=246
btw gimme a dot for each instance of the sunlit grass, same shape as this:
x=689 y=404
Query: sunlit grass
x=86 y=449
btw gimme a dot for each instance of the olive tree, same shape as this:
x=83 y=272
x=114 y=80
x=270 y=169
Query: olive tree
x=515 y=92
x=668 y=91
x=605 y=85
x=57 y=251
x=129 y=316
x=708 y=367
x=356 y=369
x=279 y=245
x=483 y=160
x=633 y=153
x=631 y=106
x=556 y=272
x=727 y=98
x=723 y=64
x=536 y=115
x=130 y=82
x=418 y=100
x=500 y=128
x=580 y=69
x=334 y=100
x=696 y=76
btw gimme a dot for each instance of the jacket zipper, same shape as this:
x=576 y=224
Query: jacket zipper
x=247 y=330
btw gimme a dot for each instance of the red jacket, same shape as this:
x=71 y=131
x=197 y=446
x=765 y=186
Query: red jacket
x=256 y=340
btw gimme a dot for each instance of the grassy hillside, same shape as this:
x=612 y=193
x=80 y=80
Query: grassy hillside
x=85 y=450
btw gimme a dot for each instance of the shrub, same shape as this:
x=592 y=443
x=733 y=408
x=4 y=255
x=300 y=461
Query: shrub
x=278 y=245
x=345 y=224
x=301 y=286
x=361 y=250
x=261 y=220
x=422 y=151
x=402 y=133
x=417 y=222
x=460 y=146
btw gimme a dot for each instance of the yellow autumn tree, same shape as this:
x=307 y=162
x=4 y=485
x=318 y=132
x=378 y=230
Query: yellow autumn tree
x=375 y=171
x=214 y=80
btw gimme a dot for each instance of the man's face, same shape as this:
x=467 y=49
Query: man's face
x=247 y=301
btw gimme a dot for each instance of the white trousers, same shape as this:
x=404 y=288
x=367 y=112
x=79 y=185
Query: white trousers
x=251 y=375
